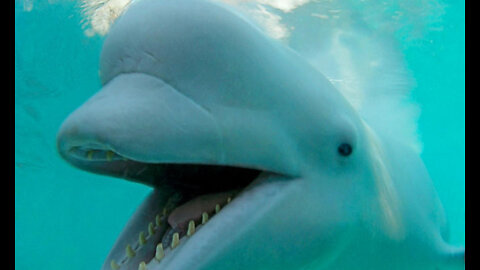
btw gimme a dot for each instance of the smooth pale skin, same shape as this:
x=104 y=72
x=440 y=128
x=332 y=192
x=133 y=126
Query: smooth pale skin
x=191 y=81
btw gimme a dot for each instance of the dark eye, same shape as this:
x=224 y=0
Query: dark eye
x=345 y=149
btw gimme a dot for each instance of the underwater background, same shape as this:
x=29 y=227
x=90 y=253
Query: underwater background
x=69 y=219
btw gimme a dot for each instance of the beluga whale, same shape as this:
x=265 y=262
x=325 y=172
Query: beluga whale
x=255 y=159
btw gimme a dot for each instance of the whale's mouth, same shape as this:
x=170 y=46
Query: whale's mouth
x=193 y=194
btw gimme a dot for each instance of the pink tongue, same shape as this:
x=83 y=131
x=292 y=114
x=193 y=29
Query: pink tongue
x=193 y=209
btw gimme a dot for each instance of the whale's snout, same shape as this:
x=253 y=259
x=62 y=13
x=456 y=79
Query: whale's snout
x=138 y=118
x=141 y=118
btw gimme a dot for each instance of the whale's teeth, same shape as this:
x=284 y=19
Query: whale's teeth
x=142 y=266
x=114 y=265
x=151 y=229
x=109 y=155
x=158 y=221
x=191 y=228
x=229 y=199
x=204 y=217
x=141 y=238
x=175 y=240
x=217 y=208
x=129 y=251
x=159 y=254
x=90 y=155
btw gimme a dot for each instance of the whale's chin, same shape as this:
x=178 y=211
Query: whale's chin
x=185 y=198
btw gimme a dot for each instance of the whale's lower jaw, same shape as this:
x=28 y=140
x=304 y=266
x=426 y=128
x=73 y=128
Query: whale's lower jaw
x=186 y=197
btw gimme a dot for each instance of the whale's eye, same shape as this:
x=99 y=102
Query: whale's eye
x=345 y=149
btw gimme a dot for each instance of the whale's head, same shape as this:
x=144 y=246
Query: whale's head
x=256 y=160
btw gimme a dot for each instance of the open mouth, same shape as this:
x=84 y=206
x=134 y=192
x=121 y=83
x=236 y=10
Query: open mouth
x=185 y=198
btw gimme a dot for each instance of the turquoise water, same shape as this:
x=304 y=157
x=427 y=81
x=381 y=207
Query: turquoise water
x=68 y=219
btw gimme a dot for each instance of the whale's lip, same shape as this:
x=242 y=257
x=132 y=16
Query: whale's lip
x=100 y=159
x=223 y=183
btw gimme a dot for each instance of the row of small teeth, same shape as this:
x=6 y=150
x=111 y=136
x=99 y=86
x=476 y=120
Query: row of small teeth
x=91 y=154
x=160 y=251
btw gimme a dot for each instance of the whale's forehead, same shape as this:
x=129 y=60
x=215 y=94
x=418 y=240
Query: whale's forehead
x=201 y=44
x=212 y=54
